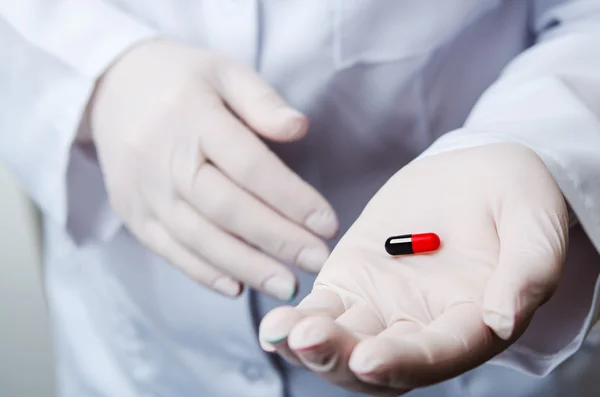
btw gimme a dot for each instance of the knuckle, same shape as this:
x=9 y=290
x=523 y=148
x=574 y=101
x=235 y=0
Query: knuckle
x=268 y=97
x=186 y=93
x=135 y=145
x=204 y=177
x=539 y=290
x=248 y=166
x=206 y=65
x=175 y=96
x=154 y=237
x=282 y=247
x=195 y=268
x=190 y=176
x=228 y=72
x=210 y=62
x=220 y=207
x=188 y=228
x=125 y=201
x=224 y=258
x=209 y=103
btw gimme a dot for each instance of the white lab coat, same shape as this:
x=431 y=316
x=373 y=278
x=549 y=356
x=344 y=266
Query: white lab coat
x=381 y=81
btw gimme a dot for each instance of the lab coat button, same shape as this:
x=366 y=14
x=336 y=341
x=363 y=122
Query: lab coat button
x=253 y=372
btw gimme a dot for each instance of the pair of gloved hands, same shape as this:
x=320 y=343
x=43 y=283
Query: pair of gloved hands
x=176 y=130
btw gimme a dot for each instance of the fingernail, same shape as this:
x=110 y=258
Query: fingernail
x=323 y=222
x=266 y=346
x=362 y=365
x=318 y=361
x=277 y=339
x=312 y=259
x=227 y=286
x=280 y=286
x=273 y=333
x=307 y=340
x=501 y=324
x=296 y=122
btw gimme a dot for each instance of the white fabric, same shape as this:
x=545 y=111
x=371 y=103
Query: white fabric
x=380 y=80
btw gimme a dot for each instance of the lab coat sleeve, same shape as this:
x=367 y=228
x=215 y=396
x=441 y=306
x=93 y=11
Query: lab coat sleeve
x=51 y=54
x=548 y=99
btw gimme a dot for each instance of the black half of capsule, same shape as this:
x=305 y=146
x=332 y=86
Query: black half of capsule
x=399 y=245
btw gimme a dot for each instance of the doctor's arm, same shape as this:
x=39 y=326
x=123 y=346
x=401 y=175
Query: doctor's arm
x=52 y=54
x=548 y=99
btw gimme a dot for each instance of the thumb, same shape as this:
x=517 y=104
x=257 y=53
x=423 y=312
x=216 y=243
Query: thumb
x=258 y=105
x=532 y=250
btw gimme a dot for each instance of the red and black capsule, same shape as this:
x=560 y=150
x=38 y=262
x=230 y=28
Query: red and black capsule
x=408 y=244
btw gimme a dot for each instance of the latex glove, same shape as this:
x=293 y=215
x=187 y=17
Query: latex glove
x=177 y=132
x=384 y=325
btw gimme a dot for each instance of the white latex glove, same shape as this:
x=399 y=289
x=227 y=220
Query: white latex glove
x=177 y=132
x=384 y=325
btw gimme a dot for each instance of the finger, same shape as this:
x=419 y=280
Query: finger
x=255 y=102
x=228 y=254
x=157 y=238
x=266 y=346
x=528 y=271
x=236 y=211
x=362 y=320
x=401 y=327
x=322 y=301
x=324 y=347
x=314 y=337
x=274 y=329
x=452 y=344
x=276 y=325
x=241 y=155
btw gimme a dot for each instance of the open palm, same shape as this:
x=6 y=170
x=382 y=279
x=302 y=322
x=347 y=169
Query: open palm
x=384 y=325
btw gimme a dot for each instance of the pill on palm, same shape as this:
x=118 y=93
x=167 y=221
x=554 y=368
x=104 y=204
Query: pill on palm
x=408 y=244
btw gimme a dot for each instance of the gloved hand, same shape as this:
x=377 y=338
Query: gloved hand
x=177 y=133
x=384 y=325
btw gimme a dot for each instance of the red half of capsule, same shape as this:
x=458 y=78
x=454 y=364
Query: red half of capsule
x=408 y=244
x=425 y=242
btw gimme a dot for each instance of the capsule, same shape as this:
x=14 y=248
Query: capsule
x=408 y=244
